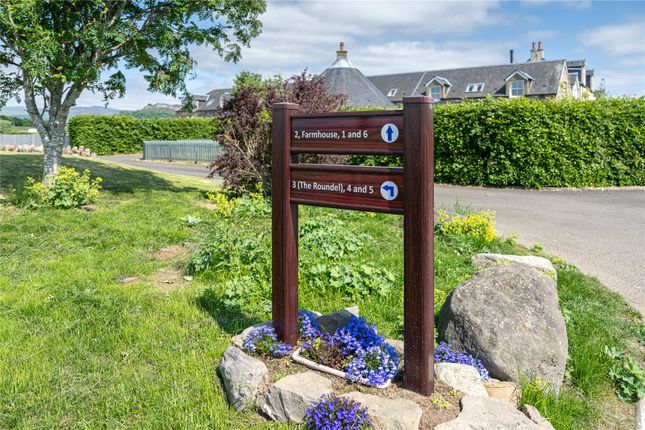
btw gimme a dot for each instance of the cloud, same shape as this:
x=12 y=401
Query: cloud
x=617 y=39
x=577 y=4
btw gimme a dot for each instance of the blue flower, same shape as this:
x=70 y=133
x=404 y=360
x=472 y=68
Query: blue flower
x=307 y=324
x=263 y=340
x=358 y=334
x=374 y=365
x=335 y=413
x=444 y=353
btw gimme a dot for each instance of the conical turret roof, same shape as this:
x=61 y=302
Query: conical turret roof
x=343 y=78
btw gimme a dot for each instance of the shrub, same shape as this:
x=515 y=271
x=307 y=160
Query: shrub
x=337 y=413
x=69 y=189
x=478 y=225
x=246 y=125
x=537 y=143
x=105 y=134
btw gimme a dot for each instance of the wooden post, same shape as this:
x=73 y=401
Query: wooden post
x=418 y=240
x=284 y=229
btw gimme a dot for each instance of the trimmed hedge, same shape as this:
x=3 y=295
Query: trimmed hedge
x=105 y=134
x=537 y=143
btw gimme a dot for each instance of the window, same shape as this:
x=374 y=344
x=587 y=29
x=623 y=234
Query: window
x=517 y=88
x=392 y=92
x=475 y=88
x=435 y=92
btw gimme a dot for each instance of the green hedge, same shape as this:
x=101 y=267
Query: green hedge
x=533 y=143
x=106 y=134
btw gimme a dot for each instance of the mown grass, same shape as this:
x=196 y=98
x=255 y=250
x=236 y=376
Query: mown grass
x=80 y=350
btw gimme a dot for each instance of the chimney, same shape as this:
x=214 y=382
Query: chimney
x=341 y=53
x=511 y=53
x=537 y=54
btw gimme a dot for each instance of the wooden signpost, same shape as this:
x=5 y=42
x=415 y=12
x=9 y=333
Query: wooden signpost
x=407 y=191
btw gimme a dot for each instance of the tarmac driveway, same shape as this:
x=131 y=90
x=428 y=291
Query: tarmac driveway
x=601 y=231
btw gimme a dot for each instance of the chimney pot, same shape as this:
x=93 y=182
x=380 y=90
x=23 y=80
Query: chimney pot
x=533 y=46
x=511 y=56
x=539 y=45
x=341 y=53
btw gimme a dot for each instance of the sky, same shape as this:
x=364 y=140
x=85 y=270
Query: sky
x=405 y=36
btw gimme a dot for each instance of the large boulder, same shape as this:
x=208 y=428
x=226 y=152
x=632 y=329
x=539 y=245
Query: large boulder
x=389 y=414
x=481 y=413
x=290 y=397
x=508 y=316
x=242 y=375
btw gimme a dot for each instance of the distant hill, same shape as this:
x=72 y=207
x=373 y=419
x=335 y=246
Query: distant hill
x=156 y=110
x=20 y=112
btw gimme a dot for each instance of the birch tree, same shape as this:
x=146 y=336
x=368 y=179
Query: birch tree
x=53 y=50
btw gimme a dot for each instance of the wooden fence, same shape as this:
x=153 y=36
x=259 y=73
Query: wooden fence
x=182 y=150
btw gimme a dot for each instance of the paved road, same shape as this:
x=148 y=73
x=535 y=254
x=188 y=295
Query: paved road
x=199 y=171
x=601 y=232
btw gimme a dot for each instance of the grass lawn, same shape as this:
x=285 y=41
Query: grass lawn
x=81 y=349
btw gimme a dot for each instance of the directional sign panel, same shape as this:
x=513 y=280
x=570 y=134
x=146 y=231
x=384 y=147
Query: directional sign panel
x=375 y=133
x=378 y=189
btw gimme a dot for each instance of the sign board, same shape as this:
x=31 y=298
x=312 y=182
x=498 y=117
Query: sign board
x=407 y=191
x=377 y=189
x=374 y=133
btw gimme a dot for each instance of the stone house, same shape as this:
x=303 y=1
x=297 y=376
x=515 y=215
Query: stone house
x=536 y=78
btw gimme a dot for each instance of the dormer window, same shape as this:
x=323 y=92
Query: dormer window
x=438 y=87
x=518 y=84
x=475 y=88
x=392 y=92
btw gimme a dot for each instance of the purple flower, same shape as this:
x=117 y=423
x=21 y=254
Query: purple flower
x=444 y=353
x=307 y=325
x=358 y=334
x=336 y=413
x=375 y=365
x=263 y=340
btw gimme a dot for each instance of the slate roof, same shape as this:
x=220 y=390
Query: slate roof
x=546 y=76
x=343 y=78
x=213 y=99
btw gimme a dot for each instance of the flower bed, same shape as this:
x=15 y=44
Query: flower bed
x=355 y=351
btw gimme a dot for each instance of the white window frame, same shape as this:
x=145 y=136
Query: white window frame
x=392 y=92
x=511 y=89
x=438 y=87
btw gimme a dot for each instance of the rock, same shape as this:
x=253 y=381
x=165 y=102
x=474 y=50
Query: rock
x=534 y=415
x=640 y=415
x=480 y=413
x=332 y=322
x=502 y=390
x=389 y=414
x=461 y=377
x=88 y=208
x=238 y=339
x=290 y=397
x=508 y=316
x=242 y=375
x=398 y=345
x=482 y=261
